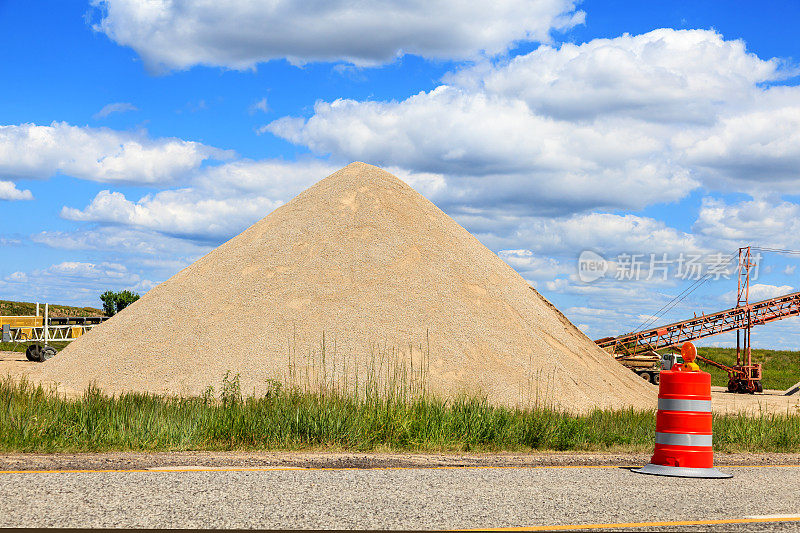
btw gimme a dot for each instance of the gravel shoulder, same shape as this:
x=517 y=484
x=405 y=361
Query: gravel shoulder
x=346 y=460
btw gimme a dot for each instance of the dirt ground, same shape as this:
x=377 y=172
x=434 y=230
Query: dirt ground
x=770 y=401
x=14 y=364
x=325 y=459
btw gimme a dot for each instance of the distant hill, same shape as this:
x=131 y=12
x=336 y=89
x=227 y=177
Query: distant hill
x=9 y=308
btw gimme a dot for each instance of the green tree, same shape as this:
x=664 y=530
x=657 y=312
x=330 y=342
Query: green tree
x=125 y=298
x=114 y=302
x=109 y=299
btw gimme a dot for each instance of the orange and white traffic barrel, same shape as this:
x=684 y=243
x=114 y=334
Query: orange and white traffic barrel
x=683 y=423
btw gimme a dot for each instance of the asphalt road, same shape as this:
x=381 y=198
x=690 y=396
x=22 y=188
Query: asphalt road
x=399 y=498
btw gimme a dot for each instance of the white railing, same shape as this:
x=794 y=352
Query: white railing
x=46 y=332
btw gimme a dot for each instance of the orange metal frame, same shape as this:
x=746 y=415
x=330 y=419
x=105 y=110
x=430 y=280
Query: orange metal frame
x=744 y=376
x=736 y=318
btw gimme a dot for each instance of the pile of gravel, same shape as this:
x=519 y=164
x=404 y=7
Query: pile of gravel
x=398 y=290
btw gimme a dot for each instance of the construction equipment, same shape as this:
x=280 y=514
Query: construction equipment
x=741 y=378
x=699 y=327
x=648 y=364
x=632 y=349
x=39 y=331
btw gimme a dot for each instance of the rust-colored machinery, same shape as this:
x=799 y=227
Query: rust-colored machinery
x=745 y=376
x=741 y=378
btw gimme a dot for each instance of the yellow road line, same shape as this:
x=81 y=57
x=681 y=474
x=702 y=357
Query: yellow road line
x=178 y=469
x=572 y=527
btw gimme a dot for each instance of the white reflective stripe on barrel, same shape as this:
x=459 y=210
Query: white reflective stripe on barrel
x=697 y=406
x=683 y=439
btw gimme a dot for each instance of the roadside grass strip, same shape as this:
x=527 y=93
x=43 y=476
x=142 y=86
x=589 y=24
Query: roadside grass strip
x=33 y=419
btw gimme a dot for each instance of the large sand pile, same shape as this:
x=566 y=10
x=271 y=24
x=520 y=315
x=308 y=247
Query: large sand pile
x=383 y=274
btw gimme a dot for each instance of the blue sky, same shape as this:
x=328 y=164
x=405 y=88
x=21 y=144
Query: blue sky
x=132 y=141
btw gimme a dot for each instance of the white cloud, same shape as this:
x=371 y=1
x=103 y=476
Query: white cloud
x=221 y=201
x=522 y=152
x=180 y=212
x=769 y=223
x=429 y=184
x=781 y=335
x=98 y=154
x=758 y=292
x=751 y=147
x=121 y=241
x=526 y=154
x=550 y=260
x=73 y=282
x=663 y=75
x=611 y=307
x=588 y=312
x=451 y=130
x=9 y=191
x=605 y=233
x=556 y=285
x=497 y=151
x=614 y=308
x=259 y=105
x=276 y=179
x=77 y=268
x=533 y=266
x=17 y=276
x=612 y=123
x=241 y=33
x=117 y=107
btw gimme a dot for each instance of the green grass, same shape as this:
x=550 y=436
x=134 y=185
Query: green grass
x=9 y=308
x=36 y=420
x=781 y=368
x=21 y=347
